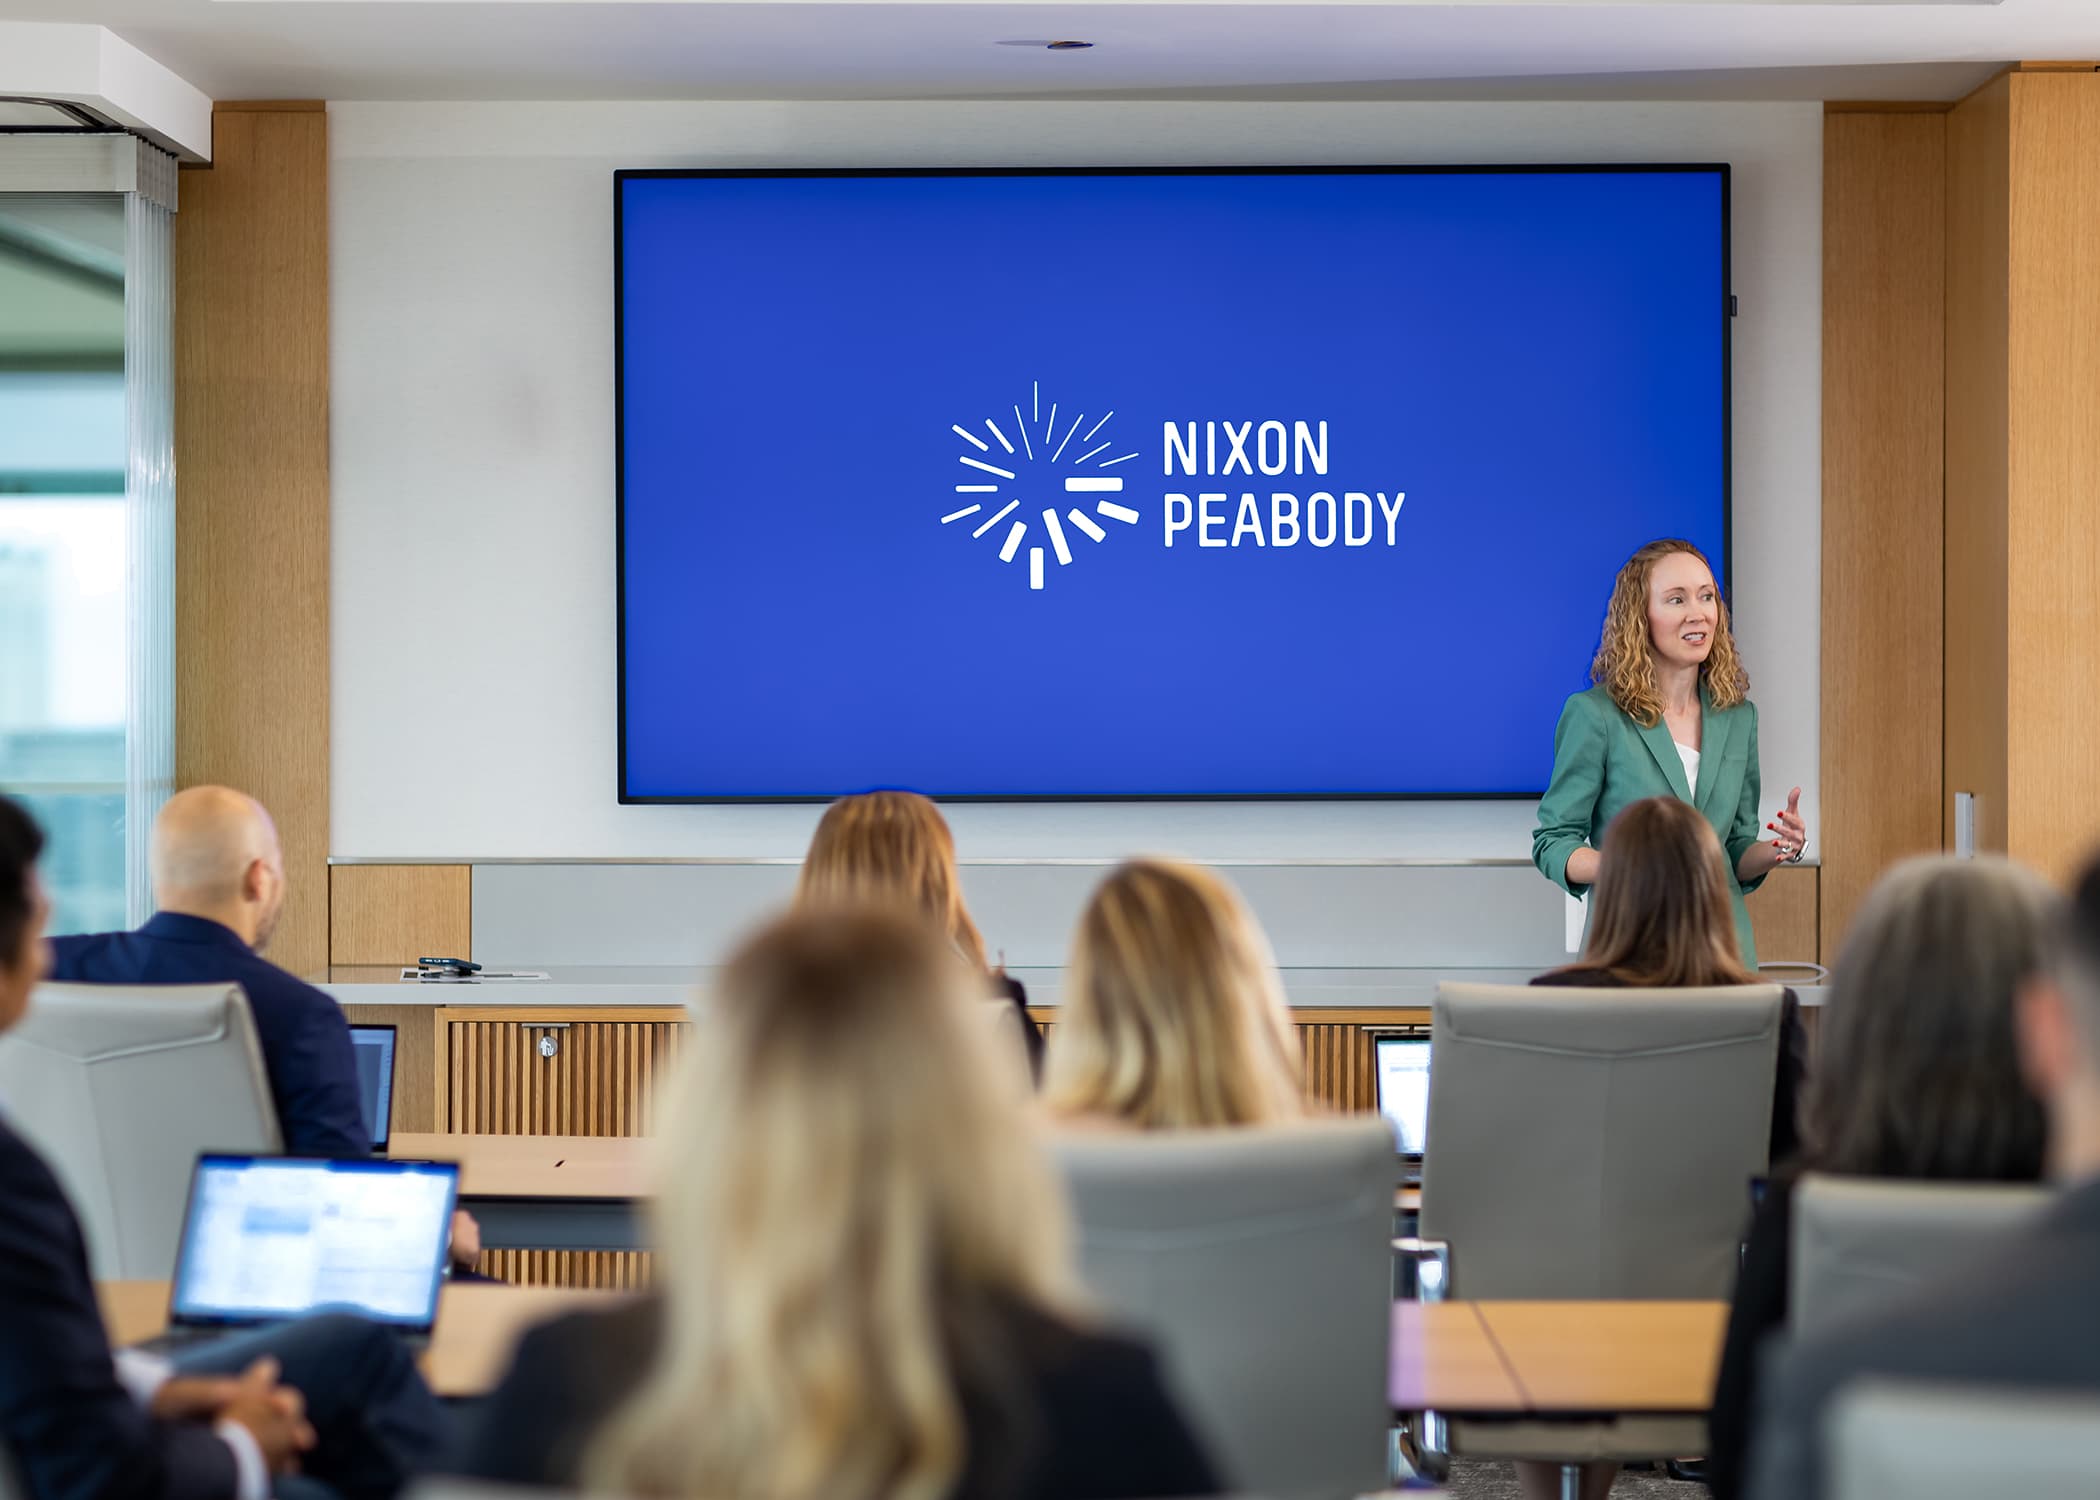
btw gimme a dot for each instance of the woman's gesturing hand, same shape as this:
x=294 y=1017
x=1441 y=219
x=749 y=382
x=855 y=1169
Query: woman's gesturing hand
x=1792 y=831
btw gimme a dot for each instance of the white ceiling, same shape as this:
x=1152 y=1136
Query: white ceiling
x=665 y=49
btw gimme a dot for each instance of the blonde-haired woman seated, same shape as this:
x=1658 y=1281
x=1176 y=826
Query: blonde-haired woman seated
x=863 y=1278
x=896 y=848
x=1173 y=1015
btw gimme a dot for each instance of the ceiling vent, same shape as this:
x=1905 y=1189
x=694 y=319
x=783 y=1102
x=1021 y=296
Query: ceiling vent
x=45 y=115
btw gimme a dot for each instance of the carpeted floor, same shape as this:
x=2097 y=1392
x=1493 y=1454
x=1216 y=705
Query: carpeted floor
x=1473 y=1479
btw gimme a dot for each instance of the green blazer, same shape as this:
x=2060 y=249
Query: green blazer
x=1602 y=760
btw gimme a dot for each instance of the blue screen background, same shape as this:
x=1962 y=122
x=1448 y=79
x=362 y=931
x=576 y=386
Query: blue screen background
x=1536 y=359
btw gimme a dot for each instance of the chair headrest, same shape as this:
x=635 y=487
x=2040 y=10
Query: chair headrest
x=95 y=1022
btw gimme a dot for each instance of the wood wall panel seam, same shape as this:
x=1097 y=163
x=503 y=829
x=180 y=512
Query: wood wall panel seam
x=1978 y=229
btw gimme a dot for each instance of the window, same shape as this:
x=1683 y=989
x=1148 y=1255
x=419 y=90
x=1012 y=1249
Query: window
x=65 y=542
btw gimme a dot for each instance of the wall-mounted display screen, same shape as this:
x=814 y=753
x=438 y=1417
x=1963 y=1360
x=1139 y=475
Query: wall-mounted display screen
x=1087 y=484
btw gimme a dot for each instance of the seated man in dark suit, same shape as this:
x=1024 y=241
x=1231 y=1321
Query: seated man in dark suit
x=2027 y=1315
x=218 y=880
x=328 y=1405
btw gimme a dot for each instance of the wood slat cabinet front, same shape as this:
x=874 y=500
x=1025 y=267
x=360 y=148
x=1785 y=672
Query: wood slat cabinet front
x=585 y=1071
x=602 y=1270
x=601 y=1071
x=1340 y=1066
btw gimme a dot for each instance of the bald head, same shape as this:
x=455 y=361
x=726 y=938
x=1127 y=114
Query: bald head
x=215 y=855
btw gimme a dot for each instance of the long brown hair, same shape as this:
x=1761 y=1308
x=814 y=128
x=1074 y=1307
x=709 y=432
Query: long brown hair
x=1173 y=1015
x=892 y=848
x=1917 y=1067
x=1660 y=917
x=1625 y=662
x=849 y=1210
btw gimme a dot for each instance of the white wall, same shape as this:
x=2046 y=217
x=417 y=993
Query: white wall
x=472 y=316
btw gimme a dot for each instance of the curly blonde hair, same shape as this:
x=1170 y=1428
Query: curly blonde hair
x=1625 y=664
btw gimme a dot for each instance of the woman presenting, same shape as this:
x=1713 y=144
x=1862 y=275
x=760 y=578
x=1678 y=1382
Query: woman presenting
x=1670 y=715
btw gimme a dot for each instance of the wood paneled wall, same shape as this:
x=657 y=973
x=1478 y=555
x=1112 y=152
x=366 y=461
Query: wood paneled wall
x=251 y=505
x=2023 y=463
x=1884 y=286
x=1785 y=916
x=396 y=914
x=2052 y=577
x=1979 y=161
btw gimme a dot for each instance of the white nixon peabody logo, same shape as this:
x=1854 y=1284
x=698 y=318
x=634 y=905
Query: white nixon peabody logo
x=1038 y=469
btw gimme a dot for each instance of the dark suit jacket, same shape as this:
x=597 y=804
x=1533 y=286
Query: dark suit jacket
x=73 y=1431
x=2027 y=1315
x=1757 y=1311
x=1786 y=1082
x=305 y=1038
x=1005 y=986
x=1081 y=1416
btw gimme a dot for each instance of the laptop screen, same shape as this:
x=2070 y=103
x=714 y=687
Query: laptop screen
x=375 y=1079
x=1403 y=1089
x=271 y=1237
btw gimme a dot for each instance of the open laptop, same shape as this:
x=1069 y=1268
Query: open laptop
x=1402 y=1059
x=269 y=1238
x=374 y=1046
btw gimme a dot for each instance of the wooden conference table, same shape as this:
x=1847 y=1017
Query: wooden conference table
x=1555 y=1359
x=544 y=1192
x=1479 y=1359
x=568 y=1192
x=476 y=1328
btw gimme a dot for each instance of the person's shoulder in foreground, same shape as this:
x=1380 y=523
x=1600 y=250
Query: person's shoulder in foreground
x=1097 y=1421
x=72 y=1431
x=1109 y=1428
x=1577 y=977
x=567 y=1376
x=2028 y=1315
x=1755 y=1313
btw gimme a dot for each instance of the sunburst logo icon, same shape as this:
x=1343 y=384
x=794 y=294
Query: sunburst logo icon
x=1035 y=479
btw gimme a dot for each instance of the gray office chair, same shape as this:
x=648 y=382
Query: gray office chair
x=1259 y=1263
x=1595 y=1144
x=1902 y=1440
x=1862 y=1241
x=121 y=1087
